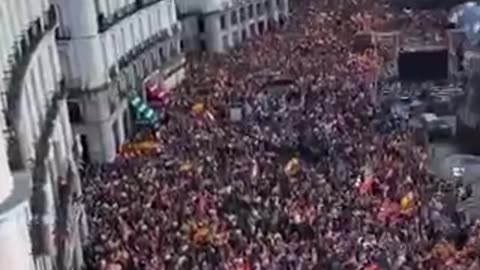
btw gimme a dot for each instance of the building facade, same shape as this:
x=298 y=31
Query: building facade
x=15 y=244
x=217 y=25
x=108 y=49
x=36 y=127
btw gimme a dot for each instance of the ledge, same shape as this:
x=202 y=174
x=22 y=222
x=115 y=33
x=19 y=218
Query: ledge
x=122 y=14
x=125 y=62
x=21 y=193
x=20 y=66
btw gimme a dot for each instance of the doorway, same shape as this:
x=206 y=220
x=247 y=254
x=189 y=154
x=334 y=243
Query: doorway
x=85 y=151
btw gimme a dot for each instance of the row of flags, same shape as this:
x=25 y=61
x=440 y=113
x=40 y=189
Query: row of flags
x=143 y=111
x=157 y=93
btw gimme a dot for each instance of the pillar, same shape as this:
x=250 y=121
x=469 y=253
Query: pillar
x=14 y=240
x=6 y=179
x=213 y=32
x=100 y=136
x=120 y=129
x=286 y=8
x=457 y=46
x=273 y=13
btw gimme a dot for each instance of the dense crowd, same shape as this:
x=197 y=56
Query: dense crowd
x=304 y=180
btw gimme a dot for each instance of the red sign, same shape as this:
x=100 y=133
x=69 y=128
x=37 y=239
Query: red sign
x=157 y=92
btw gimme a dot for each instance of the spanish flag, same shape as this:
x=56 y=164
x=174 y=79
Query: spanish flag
x=293 y=167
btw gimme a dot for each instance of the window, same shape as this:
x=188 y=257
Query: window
x=267 y=5
x=252 y=29
x=280 y=4
x=52 y=62
x=242 y=14
x=233 y=17
x=250 y=12
x=226 y=45
x=173 y=49
x=142 y=31
x=236 y=38
x=182 y=46
x=41 y=73
x=162 y=54
x=150 y=24
x=261 y=27
x=244 y=34
x=223 y=24
x=39 y=102
x=201 y=25
x=170 y=13
x=203 y=45
x=146 y=65
x=115 y=47
x=132 y=34
x=74 y=112
x=260 y=10
x=123 y=50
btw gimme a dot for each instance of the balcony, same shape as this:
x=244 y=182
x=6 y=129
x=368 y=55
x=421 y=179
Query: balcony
x=42 y=147
x=41 y=244
x=139 y=50
x=21 y=59
x=104 y=23
x=126 y=61
x=69 y=212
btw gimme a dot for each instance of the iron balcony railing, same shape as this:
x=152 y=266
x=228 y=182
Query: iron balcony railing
x=39 y=173
x=42 y=147
x=130 y=58
x=69 y=210
x=104 y=22
x=139 y=50
x=15 y=77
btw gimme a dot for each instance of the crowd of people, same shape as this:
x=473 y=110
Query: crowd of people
x=301 y=178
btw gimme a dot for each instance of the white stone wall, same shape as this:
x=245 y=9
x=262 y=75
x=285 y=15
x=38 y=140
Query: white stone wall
x=217 y=38
x=108 y=7
x=15 y=248
x=6 y=179
x=88 y=56
x=202 y=6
